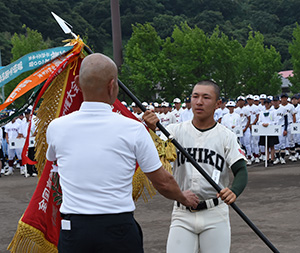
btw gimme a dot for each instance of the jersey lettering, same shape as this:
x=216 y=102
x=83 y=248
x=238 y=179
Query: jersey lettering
x=203 y=156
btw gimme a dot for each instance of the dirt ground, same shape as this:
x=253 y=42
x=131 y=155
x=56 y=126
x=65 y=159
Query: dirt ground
x=271 y=201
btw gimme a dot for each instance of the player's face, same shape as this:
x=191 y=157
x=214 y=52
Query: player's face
x=204 y=101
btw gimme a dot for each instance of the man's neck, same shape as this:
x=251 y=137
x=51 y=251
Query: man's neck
x=203 y=124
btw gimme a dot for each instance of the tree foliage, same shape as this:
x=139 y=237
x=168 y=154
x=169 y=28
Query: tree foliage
x=294 y=50
x=174 y=64
x=22 y=44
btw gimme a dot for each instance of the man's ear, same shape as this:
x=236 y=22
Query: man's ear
x=218 y=104
x=110 y=87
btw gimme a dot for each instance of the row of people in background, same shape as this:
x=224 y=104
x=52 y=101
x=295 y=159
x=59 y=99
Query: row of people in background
x=17 y=128
x=244 y=112
x=278 y=110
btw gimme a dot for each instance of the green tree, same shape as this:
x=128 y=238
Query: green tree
x=224 y=60
x=186 y=61
x=23 y=44
x=141 y=70
x=259 y=66
x=294 y=49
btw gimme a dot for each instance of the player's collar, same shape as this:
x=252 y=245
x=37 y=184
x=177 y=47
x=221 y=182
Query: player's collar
x=204 y=130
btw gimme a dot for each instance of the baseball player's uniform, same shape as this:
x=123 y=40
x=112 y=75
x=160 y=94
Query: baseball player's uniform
x=231 y=120
x=216 y=150
x=254 y=111
x=176 y=113
x=12 y=130
x=246 y=139
x=288 y=140
x=186 y=115
x=219 y=113
x=297 y=136
x=280 y=114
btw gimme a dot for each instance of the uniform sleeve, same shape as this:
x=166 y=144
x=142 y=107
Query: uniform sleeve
x=233 y=151
x=51 y=154
x=146 y=153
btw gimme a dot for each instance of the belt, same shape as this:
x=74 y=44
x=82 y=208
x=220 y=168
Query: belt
x=203 y=205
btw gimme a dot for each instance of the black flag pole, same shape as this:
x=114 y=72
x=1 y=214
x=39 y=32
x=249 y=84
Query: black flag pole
x=67 y=29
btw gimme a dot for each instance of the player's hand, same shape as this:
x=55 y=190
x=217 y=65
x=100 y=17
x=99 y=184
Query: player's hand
x=150 y=119
x=284 y=133
x=227 y=196
x=265 y=124
x=190 y=199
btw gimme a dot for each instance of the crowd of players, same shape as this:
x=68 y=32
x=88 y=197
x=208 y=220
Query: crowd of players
x=244 y=112
x=10 y=157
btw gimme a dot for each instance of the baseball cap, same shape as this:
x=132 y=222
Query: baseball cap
x=262 y=96
x=156 y=104
x=267 y=100
x=145 y=104
x=223 y=100
x=256 y=97
x=187 y=100
x=249 y=96
x=150 y=107
x=240 y=98
x=124 y=103
x=276 y=98
x=284 y=95
x=294 y=97
x=176 y=100
x=27 y=111
x=11 y=113
x=133 y=104
x=165 y=104
x=230 y=103
x=270 y=97
x=183 y=104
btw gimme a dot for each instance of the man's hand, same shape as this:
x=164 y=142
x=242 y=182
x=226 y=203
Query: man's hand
x=227 y=196
x=150 y=119
x=190 y=199
x=284 y=133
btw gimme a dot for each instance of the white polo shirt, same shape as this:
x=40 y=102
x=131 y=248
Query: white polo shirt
x=96 y=152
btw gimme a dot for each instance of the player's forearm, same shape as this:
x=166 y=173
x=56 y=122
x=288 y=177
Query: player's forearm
x=166 y=185
x=240 y=180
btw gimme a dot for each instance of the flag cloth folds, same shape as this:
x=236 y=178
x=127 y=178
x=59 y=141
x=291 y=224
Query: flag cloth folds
x=39 y=227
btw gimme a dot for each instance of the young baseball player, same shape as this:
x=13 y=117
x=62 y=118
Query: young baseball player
x=217 y=151
x=266 y=118
x=254 y=113
x=242 y=110
x=231 y=119
x=288 y=140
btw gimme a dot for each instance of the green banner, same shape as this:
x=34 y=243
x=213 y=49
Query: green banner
x=30 y=61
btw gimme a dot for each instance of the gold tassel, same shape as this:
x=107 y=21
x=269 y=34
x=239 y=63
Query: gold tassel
x=48 y=110
x=30 y=239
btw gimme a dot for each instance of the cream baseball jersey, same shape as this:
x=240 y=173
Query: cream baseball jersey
x=215 y=149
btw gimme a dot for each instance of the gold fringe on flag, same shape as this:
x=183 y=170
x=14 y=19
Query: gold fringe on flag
x=30 y=239
x=48 y=111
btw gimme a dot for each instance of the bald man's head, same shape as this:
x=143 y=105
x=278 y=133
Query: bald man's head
x=98 y=78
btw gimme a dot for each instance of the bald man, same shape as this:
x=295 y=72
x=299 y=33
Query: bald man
x=97 y=205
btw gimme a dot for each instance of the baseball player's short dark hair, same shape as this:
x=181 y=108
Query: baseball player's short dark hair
x=211 y=83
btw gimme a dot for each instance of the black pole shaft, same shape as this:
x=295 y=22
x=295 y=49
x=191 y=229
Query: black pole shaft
x=196 y=165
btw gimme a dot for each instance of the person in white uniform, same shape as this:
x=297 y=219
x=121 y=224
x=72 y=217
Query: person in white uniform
x=205 y=229
x=231 y=120
x=187 y=114
x=242 y=110
x=267 y=118
x=254 y=114
x=12 y=130
x=97 y=205
x=177 y=110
